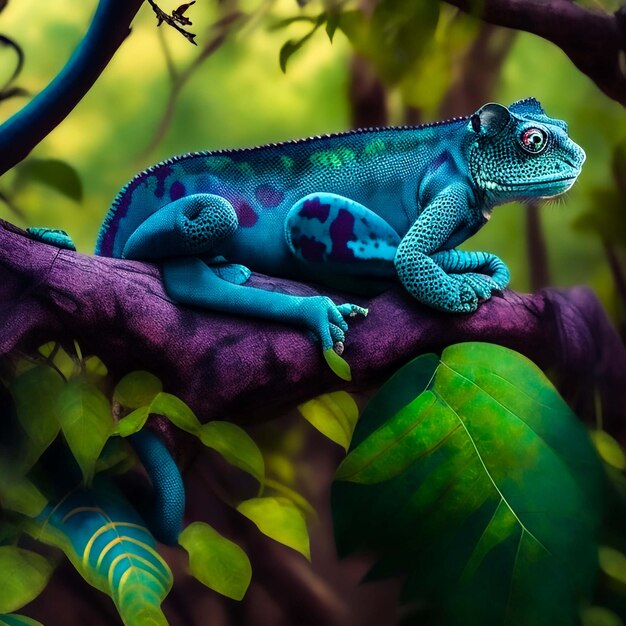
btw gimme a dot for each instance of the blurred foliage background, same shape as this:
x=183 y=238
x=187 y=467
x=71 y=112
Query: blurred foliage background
x=428 y=55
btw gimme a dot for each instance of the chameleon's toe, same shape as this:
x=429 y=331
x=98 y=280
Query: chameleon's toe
x=482 y=285
x=52 y=236
x=338 y=334
x=352 y=310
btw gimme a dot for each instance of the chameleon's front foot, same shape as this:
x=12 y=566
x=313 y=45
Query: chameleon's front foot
x=326 y=319
x=456 y=295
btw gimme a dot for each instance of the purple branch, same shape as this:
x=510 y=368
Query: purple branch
x=22 y=132
x=248 y=370
x=594 y=41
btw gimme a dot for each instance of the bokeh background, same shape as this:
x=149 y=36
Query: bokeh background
x=239 y=96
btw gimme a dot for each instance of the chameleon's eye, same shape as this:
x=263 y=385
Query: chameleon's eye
x=534 y=140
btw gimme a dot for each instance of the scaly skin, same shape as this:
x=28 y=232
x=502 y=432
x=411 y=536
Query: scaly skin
x=355 y=209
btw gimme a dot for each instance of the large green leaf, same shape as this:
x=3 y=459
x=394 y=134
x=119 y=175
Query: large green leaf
x=215 y=561
x=18 y=494
x=280 y=519
x=86 y=421
x=484 y=488
x=23 y=574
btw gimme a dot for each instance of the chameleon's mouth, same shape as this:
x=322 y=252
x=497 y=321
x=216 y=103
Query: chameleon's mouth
x=552 y=186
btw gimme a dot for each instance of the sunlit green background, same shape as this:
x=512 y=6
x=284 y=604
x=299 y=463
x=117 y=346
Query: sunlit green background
x=240 y=97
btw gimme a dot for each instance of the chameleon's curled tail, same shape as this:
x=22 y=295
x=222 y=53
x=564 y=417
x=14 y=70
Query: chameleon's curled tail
x=165 y=517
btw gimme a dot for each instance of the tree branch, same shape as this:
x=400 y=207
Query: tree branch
x=22 y=132
x=594 y=41
x=248 y=370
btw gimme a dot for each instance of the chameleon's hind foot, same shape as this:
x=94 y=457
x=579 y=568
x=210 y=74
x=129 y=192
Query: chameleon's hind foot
x=53 y=236
x=326 y=320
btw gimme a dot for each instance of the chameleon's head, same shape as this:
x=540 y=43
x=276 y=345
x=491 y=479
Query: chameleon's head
x=521 y=153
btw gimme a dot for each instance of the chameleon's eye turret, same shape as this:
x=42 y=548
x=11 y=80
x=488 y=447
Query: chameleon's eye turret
x=534 y=140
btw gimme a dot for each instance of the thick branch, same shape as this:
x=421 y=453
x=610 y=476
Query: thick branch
x=246 y=370
x=594 y=41
x=22 y=132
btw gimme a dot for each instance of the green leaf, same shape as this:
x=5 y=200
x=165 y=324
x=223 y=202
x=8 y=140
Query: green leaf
x=137 y=389
x=66 y=365
x=599 y=616
x=85 y=417
x=18 y=620
x=95 y=367
x=337 y=364
x=176 y=411
x=215 y=561
x=609 y=449
x=133 y=422
x=35 y=394
x=235 y=445
x=19 y=494
x=279 y=519
x=333 y=414
x=292 y=46
x=25 y=575
x=484 y=488
x=53 y=173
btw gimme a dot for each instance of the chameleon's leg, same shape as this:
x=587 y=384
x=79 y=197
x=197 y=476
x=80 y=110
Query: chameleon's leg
x=188 y=226
x=166 y=515
x=484 y=271
x=52 y=236
x=190 y=281
x=333 y=234
x=421 y=276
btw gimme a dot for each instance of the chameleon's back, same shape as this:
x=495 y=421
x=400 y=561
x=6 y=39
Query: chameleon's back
x=262 y=184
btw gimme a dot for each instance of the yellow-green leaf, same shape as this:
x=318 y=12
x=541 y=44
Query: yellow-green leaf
x=334 y=415
x=133 y=422
x=20 y=495
x=25 y=575
x=176 y=411
x=337 y=364
x=85 y=417
x=215 y=561
x=599 y=616
x=279 y=519
x=609 y=449
x=235 y=445
x=18 y=620
x=35 y=394
x=137 y=389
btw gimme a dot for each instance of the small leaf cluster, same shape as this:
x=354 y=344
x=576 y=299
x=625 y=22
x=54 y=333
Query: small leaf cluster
x=61 y=394
x=411 y=45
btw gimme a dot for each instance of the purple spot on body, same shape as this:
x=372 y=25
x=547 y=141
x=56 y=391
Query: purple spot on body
x=245 y=213
x=268 y=196
x=341 y=231
x=310 y=249
x=177 y=190
x=314 y=209
x=161 y=173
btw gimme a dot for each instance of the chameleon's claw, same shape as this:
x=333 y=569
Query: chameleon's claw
x=338 y=347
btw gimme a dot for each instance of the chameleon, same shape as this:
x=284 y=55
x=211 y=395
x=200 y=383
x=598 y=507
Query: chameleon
x=356 y=210
x=359 y=210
